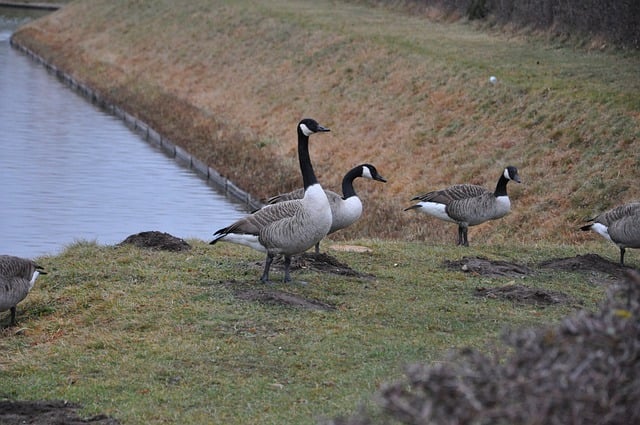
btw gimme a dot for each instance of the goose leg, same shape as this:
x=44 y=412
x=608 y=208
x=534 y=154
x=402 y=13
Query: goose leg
x=466 y=239
x=13 y=316
x=462 y=235
x=287 y=266
x=622 y=250
x=267 y=266
x=317 y=247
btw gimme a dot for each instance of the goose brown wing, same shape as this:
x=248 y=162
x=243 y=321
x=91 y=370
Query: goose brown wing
x=617 y=213
x=294 y=194
x=18 y=267
x=12 y=292
x=626 y=231
x=253 y=224
x=15 y=276
x=476 y=210
x=452 y=193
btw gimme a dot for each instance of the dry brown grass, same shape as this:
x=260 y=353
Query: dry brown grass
x=229 y=81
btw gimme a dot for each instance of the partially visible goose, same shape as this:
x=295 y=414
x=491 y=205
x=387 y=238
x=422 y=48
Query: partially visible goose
x=620 y=225
x=290 y=227
x=468 y=204
x=345 y=209
x=17 y=277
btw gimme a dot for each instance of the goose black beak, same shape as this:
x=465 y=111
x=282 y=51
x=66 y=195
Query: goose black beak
x=322 y=129
x=380 y=178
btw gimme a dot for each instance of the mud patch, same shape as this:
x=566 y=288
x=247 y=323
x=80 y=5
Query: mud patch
x=488 y=268
x=47 y=413
x=523 y=295
x=273 y=297
x=518 y=294
x=323 y=263
x=587 y=263
x=157 y=240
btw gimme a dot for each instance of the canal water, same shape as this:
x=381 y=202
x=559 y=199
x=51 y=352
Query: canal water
x=71 y=172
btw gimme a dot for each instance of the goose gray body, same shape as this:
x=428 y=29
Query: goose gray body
x=468 y=205
x=17 y=277
x=620 y=225
x=345 y=209
x=289 y=227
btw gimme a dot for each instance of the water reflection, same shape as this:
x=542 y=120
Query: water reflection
x=71 y=172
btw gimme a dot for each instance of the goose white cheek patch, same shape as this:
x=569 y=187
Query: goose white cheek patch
x=305 y=130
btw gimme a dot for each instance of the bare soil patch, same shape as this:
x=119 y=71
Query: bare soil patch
x=276 y=297
x=590 y=263
x=157 y=240
x=587 y=263
x=488 y=268
x=323 y=263
x=524 y=295
x=47 y=413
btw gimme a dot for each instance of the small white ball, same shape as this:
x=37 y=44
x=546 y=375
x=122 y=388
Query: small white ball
x=493 y=79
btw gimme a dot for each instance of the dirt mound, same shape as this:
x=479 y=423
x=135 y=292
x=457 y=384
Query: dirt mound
x=489 y=268
x=275 y=297
x=46 y=413
x=587 y=263
x=519 y=294
x=157 y=240
x=323 y=263
x=524 y=295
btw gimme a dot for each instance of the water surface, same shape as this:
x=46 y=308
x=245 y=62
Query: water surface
x=71 y=172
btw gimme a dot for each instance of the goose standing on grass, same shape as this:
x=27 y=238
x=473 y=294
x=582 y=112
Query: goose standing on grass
x=345 y=209
x=290 y=227
x=468 y=204
x=620 y=225
x=17 y=277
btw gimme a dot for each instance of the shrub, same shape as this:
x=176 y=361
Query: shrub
x=616 y=21
x=586 y=370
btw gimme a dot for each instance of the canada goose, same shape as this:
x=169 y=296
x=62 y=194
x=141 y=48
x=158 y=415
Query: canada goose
x=289 y=227
x=345 y=209
x=468 y=204
x=17 y=277
x=620 y=225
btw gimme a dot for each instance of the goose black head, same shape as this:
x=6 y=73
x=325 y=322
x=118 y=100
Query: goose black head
x=308 y=126
x=511 y=173
x=370 y=172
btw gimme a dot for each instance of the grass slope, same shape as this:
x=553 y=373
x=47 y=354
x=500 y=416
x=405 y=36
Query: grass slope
x=229 y=80
x=153 y=337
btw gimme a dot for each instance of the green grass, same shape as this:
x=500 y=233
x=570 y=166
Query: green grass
x=155 y=337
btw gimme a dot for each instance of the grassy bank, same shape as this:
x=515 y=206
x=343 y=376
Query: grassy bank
x=155 y=337
x=228 y=81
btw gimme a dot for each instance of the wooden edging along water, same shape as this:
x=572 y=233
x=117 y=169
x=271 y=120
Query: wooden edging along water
x=179 y=154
